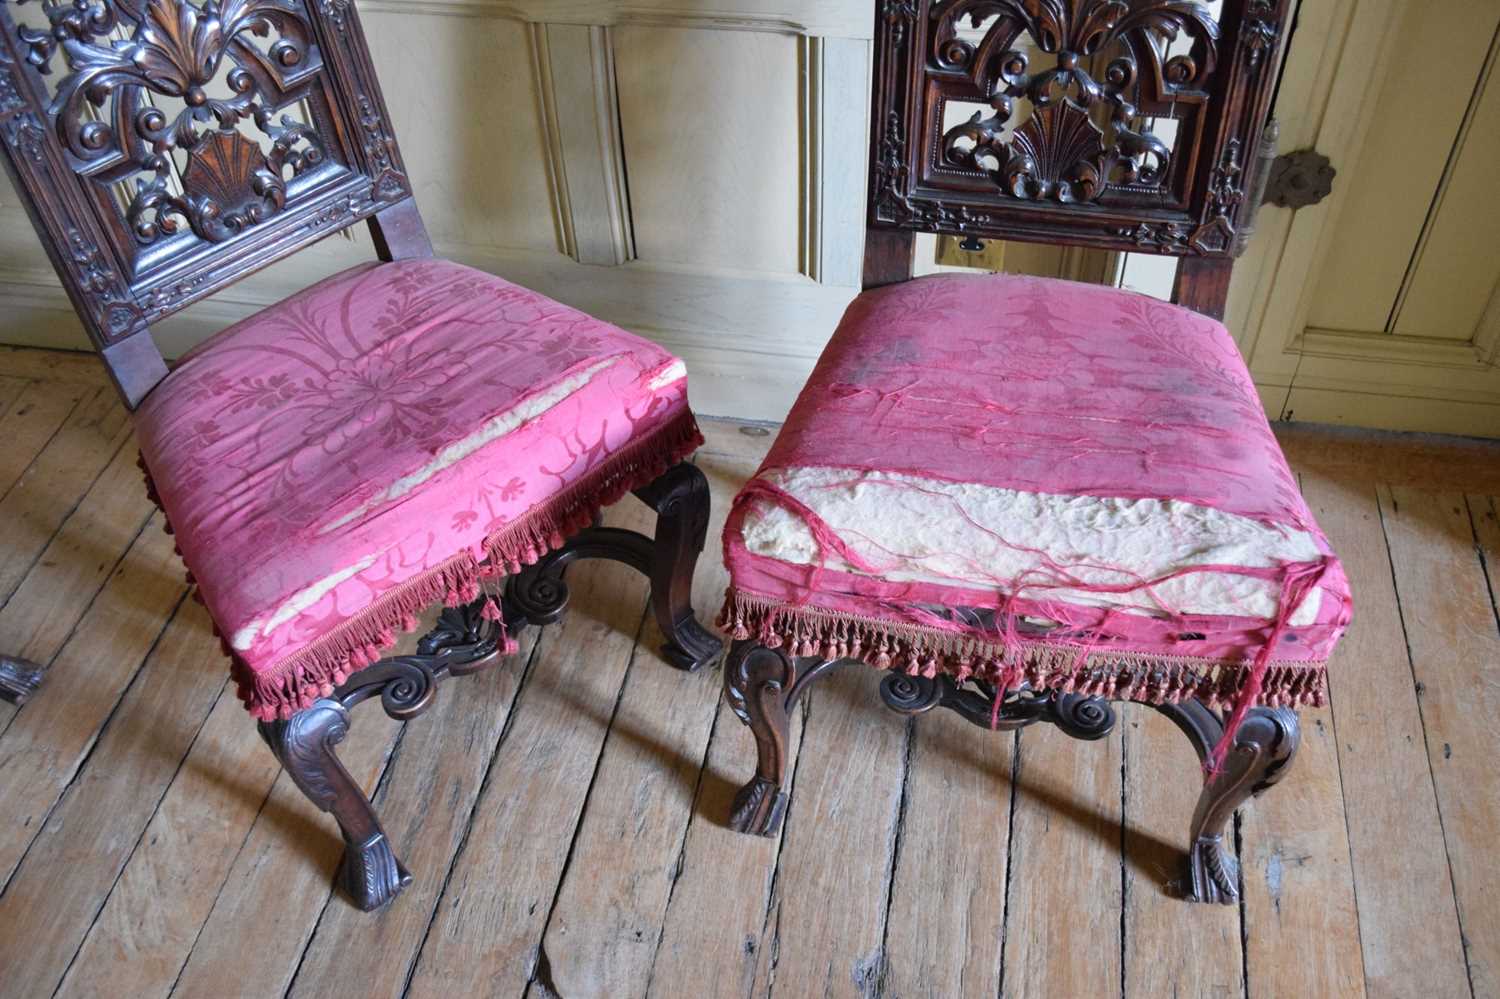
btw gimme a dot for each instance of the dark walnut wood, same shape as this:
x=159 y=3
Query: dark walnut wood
x=141 y=162
x=464 y=642
x=763 y=685
x=19 y=679
x=1064 y=148
x=167 y=148
x=1067 y=146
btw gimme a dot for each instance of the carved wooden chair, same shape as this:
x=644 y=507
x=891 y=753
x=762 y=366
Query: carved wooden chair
x=404 y=433
x=1026 y=497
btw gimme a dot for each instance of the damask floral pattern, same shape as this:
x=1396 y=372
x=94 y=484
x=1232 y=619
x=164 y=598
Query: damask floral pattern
x=370 y=431
x=1046 y=388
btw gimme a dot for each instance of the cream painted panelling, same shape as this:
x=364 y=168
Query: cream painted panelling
x=462 y=95
x=1380 y=306
x=692 y=170
x=714 y=168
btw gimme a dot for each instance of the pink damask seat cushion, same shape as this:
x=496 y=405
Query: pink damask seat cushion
x=386 y=439
x=1027 y=480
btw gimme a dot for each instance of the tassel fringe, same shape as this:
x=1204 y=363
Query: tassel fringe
x=1067 y=668
x=314 y=671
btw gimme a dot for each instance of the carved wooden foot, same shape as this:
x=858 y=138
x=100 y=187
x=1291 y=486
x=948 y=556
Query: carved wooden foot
x=680 y=498
x=369 y=873
x=19 y=679
x=1263 y=750
x=762 y=685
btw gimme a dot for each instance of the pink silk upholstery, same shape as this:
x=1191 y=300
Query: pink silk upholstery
x=1047 y=387
x=319 y=466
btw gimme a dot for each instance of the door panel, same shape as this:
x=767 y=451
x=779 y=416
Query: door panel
x=1379 y=306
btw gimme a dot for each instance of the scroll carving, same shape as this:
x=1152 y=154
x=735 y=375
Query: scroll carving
x=1083 y=134
x=184 y=81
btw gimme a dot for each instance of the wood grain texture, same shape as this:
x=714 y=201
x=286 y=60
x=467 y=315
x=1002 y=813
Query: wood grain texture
x=946 y=930
x=1301 y=923
x=73 y=863
x=142 y=936
x=715 y=927
x=1408 y=926
x=280 y=879
x=486 y=934
x=30 y=419
x=1451 y=631
x=426 y=802
x=54 y=735
x=718 y=927
x=64 y=580
x=59 y=367
x=1161 y=784
x=827 y=925
x=607 y=922
x=1062 y=921
x=35 y=506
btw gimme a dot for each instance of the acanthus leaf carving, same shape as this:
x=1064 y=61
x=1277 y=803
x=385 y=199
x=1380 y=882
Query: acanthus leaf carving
x=1259 y=31
x=1082 y=134
x=106 y=114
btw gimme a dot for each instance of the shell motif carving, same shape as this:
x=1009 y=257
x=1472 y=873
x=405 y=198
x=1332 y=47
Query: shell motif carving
x=1083 y=133
x=220 y=64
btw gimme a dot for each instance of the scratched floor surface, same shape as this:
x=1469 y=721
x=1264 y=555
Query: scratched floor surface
x=563 y=813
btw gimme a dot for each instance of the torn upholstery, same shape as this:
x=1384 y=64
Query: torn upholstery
x=385 y=440
x=1033 y=481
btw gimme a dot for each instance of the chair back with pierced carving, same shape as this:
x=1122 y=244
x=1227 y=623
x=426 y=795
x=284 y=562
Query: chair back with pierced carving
x=166 y=148
x=1129 y=125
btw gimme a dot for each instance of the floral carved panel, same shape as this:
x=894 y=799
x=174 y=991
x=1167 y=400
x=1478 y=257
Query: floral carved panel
x=1117 y=123
x=174 y=145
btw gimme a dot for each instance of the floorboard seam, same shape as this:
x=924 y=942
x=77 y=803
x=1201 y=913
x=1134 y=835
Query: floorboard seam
x=85 y=613
x=1338 y=760
x=104 y=467
x=50 y=437
x=228 y=871
x=1124 y=857
x=1411 y=662
x=94 y=741
x=682 y=846
x=463 y=842
x=1010 y=859
x=588 y=794
x=381 y=781
x=773 y=906
x=135 y=847
x=1484 y=562
x=893 y=850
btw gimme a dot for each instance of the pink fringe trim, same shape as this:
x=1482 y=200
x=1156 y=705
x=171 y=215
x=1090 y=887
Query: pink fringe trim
x=1068 y=668
x=292 y=684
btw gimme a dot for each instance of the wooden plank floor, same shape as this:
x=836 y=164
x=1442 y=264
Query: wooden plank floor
x=563 y=814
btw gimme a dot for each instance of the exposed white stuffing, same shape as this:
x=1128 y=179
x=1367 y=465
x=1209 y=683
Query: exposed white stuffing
x=296 y=604
x=928 y=530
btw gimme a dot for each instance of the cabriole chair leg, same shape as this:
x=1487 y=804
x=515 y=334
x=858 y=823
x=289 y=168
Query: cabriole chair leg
x=762 y=685
x=369 y=872
x=1264 y=748
x=19 y=679
x=680 y=498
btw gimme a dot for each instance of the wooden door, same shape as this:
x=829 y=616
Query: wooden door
x=1378 y=306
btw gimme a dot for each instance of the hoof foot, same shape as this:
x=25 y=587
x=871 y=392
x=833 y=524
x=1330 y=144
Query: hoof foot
x=1213 y=874
x=371 y=875
x=19 y=679
x=692 y=646
x=758 y=808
